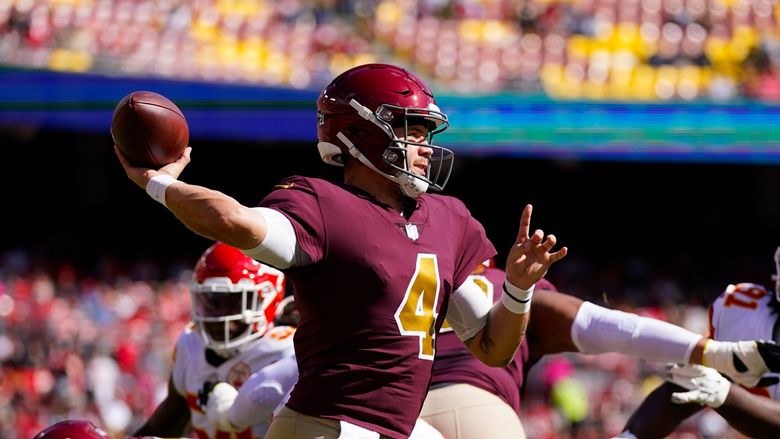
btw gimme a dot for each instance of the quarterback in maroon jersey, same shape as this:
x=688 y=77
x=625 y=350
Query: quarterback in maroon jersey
x=375 y=261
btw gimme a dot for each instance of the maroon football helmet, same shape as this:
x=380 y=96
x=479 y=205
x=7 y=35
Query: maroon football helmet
x=72 y=429
x=358 y=112
x=233 y=297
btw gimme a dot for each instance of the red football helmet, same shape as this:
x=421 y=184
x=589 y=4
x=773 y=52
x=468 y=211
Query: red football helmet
x=75 y=429
x=358 y=111
x=233 y=297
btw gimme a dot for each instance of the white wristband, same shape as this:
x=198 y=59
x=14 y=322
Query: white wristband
x=516 y=299
x=157 y=186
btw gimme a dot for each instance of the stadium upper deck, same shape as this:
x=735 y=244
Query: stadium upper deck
x=645 y=50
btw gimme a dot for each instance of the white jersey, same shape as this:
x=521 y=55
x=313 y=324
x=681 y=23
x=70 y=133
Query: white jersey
x=191 y=372
x=742 y=312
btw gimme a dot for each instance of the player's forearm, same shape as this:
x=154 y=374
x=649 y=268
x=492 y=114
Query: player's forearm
x=169 y=419
x=496 y=343
x=597 y=330
x=215 y=215
x=657 y=416
x=751 y=415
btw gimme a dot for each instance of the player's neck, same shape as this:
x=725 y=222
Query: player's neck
x=378 y=186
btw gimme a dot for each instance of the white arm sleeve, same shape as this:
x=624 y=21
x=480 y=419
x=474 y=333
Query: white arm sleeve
x=264 y=393
x=468 y=309
x=597 y=330
x=278 y=248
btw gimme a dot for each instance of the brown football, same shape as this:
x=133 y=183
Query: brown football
x=149 y=129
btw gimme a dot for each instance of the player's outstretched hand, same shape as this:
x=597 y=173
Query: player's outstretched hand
x=141 y=176
x=704 y=385
x=530 y=257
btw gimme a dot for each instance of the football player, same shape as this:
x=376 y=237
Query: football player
x=743 y=311
x=230 y=342
x=372 y=259
x=470 y=401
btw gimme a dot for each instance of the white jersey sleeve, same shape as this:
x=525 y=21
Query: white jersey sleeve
x=468 y=309
x=185 y=345
x=266 y=391
x=742 y=312
x=280 y=244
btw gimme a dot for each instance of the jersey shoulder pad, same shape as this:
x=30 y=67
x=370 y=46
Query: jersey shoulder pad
x=189 y=341
x=736 y=306
x=280 y=334
x=743 y=290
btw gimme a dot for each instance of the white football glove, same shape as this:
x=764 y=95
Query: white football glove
x=745 y=362
x=705 y=385
x=220 y=401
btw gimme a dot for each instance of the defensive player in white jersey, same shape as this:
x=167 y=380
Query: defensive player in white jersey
x=231 y=337
x=742 y=312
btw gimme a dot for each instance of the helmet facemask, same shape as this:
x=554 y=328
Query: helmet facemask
x=229 y=315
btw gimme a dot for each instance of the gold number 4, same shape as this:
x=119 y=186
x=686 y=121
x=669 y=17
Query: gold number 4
x=417 y=314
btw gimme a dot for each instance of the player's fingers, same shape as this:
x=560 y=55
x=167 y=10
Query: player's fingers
x=525 y=223
x=120 y=156
x=683 y=397
x=549 y=243
x=560 y=254
x=537 y=236
x=176 y=168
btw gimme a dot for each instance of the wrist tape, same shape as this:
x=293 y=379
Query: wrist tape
x=516 y=299
x=157 y=186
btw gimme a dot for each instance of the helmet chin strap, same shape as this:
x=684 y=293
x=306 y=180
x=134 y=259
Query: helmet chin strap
x=411 y=186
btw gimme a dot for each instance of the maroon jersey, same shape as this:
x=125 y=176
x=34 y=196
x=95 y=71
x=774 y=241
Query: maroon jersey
x=369 y=300
x=456 y=364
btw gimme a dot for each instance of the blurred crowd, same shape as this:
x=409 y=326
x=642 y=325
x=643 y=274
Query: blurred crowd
x=75 y=346
x=97 y=344
x=626 y=50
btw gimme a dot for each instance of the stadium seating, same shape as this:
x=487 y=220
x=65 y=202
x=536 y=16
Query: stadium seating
x=631 y=50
